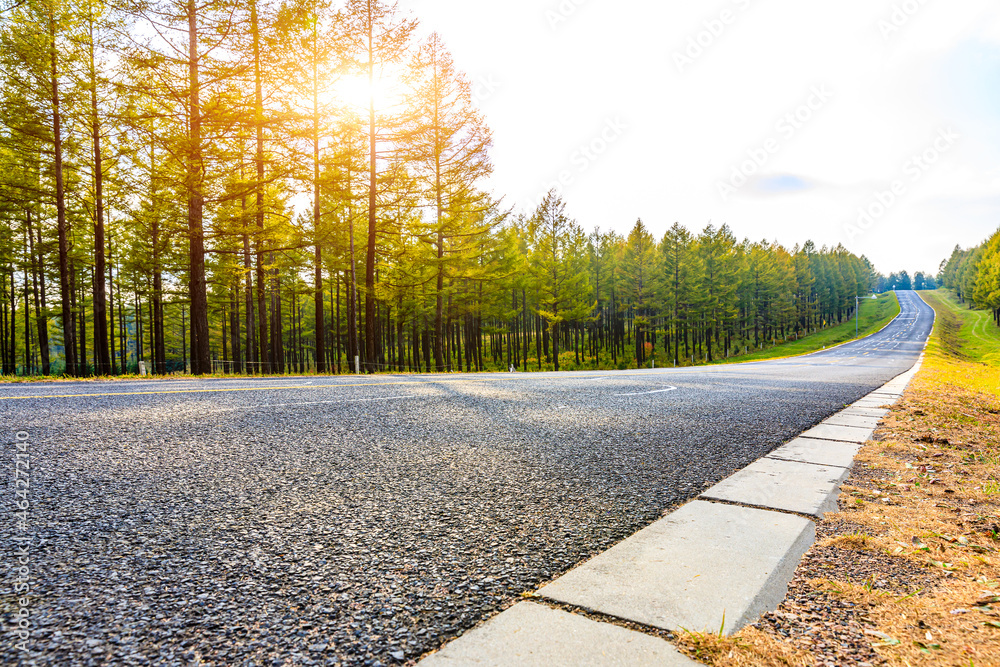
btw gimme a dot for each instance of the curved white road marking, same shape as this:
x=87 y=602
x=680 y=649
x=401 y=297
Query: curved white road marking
x=655 y=391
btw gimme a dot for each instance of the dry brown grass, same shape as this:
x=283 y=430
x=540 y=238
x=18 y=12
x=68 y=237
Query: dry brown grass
x=749 y=647
x=932 y=501
x=850 y=541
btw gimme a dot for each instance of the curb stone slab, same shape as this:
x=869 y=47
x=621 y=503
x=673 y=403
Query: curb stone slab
x=819 y=452
x=864 y=412
x=871 y=403
x=699 y=565
x=826 y=431
x=859 y=421
x=790 y=486
x=534 y=635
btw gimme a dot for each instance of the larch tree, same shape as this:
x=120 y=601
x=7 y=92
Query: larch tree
x=95 y=23
x=679 y=271
x=638 y=269
x=558 y=266
x=450 y=142
x=716 y=249
x=38 y=50
x=314 y=61
x=378 y=36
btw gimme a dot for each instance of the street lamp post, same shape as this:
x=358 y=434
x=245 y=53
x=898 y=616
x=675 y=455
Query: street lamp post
x=857 y=310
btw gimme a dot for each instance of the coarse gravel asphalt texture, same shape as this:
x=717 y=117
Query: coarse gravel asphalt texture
x=367 y=520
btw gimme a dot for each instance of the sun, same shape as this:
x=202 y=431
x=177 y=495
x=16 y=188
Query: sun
x=355 y=92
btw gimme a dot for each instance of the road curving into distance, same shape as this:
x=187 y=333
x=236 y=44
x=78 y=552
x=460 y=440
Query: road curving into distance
x=364 y=520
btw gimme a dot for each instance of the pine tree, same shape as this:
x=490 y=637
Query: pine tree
x=638 y=270
x=678 y=281
x=379 y=38
x=558 y=266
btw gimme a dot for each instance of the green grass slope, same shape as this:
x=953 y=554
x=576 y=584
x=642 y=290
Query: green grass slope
x=971 y=334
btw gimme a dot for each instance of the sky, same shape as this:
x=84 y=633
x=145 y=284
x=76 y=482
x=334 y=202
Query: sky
x=869 y=123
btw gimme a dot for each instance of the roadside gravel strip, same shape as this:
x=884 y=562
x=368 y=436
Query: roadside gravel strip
x=367 y=521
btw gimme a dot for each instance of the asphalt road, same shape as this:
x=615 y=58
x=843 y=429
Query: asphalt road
x=366 y=520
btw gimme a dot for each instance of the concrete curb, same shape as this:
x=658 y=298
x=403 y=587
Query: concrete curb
x=535 y=635
x=715 y=564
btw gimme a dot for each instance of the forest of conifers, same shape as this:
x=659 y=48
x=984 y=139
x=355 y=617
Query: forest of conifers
x=974 y=274
x=245 y=186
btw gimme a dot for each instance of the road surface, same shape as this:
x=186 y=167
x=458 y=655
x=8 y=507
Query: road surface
x=366 y=520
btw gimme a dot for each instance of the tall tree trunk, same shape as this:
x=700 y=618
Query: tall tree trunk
x=440 y=236
x=266 y=347
x=12 y=330
x=225 y=337
x=318 y=296
x=38 y=279
x=352 y=297
x=81 y=315
x=200 y=361
x=139 y=332
x=251 y=335
x=251 y=342
x=111 y=307
x=400 y=350
x=234 y=328
x=28 y=369
x=336 y=328
x=370 y=322
x=103 y=357
x=184 y=334
x=159 y=344
x=65 y=289
x=154 y=359
x=439 y=302
x=4 y=360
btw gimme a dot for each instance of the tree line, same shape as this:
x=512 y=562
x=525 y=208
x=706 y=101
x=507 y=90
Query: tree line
x=902 y=280
x=259 y=187
x=974 y=274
